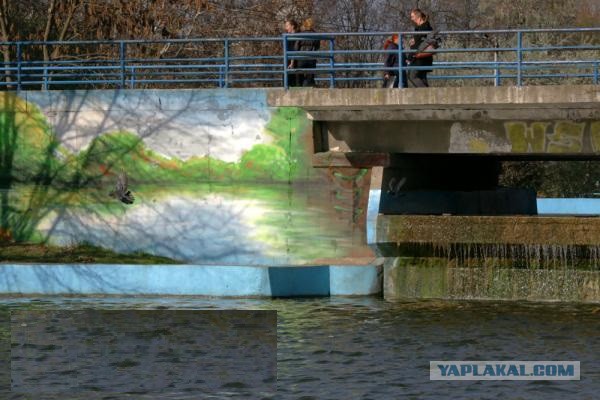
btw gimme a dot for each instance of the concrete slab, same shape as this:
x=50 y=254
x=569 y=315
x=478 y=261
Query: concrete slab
x=196 y=280
x=567 y=206
x=474 y=97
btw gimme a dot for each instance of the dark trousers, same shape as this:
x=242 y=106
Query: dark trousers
x=293 y=79
x=306 y=80
x=392 y=81
x=417 y=78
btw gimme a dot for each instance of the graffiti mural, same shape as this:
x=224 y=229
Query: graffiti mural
x=546 y=137
x=218 y=177
x=551 y=137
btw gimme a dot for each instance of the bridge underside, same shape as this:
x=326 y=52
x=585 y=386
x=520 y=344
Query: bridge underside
x=441 y=148
x=365 y=126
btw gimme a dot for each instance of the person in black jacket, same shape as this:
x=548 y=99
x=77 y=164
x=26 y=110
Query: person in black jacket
x=418 y=78
x=307 y=44
x=291 y=26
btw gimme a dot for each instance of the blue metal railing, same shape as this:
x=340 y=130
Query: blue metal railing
x=516 y=57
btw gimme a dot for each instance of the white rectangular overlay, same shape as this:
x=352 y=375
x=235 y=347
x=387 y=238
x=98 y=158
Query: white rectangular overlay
x=504 y=370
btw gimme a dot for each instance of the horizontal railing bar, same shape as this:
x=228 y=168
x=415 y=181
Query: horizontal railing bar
x=176 y=81
x=461 y=32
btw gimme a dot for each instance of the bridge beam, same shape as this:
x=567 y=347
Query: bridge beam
x=446 y=143
x=572 y=97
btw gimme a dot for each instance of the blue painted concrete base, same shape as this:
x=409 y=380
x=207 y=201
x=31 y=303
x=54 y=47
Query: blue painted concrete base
x=569 y=206
x=198 y=280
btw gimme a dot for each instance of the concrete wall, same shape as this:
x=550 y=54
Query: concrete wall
x=219 y=177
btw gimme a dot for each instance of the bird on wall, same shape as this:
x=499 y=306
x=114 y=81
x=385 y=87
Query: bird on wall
x=121 y=191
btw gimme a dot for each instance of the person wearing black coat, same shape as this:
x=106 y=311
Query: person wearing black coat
x=291 y=26
x=418 y=78
x=306 y=78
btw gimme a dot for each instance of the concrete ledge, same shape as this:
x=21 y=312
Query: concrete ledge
x=197 y=280
x=525 y=230
x=483 y=97
x=340 y=159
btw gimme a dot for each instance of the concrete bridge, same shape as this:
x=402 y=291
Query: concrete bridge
x=541 y=122
x=437 y=152
x=445 y=144
x=433 y=155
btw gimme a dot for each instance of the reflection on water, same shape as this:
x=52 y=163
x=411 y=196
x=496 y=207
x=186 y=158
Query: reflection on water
x=370 y=349
x=208 y=224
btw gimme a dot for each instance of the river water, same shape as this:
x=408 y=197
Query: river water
x=366 y=348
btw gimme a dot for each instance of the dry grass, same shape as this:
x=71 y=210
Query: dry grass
x=40 y=253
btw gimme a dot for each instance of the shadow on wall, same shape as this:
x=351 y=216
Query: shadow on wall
x=61 y=153
x=37 y=172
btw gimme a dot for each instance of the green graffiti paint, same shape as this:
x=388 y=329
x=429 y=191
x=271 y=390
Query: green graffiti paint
x=524 y=138
x=566 y=138
x=595 y=136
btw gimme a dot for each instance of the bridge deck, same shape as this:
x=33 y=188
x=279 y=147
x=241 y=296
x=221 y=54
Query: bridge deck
x=358 y=127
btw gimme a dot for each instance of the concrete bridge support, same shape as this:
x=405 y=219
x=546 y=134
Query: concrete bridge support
x=445 y=227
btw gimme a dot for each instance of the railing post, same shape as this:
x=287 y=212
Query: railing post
x=19 y=65
x=285 y=61
x=400 y=66
x=331 y=63
x=519 y=58
x=45 y=77
x=496 y=74
x=497 y=69
x=132 y=77
x=122 y=51
x=596 y=73
x=226 y=54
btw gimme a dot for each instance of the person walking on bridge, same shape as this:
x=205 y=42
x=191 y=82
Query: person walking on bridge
x=291 y=26
x=390 y=77
x=418 y=78
x=308 y=44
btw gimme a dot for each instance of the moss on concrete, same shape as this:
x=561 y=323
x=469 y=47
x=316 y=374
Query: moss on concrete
x=518 y=230
x=406 y=278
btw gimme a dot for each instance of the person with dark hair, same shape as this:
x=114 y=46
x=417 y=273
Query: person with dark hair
x=291 y=26
x=307 y=44
x=418 y=78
